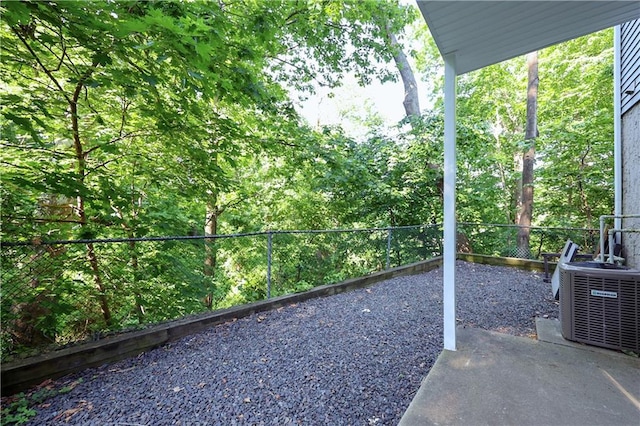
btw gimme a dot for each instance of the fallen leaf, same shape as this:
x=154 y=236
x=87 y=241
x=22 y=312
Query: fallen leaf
x=67 y=414
x=118 y=370
x=45 y=384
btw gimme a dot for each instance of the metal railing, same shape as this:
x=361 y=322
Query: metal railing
x=60 y=292
x=502 y=240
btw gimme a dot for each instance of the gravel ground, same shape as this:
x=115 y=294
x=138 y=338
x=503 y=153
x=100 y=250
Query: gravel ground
x=356 y=358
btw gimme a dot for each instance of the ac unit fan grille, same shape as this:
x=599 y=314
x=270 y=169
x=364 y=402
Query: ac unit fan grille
x=604 y=310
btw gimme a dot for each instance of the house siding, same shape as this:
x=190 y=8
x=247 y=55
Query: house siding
x=631 y=182
x=630 y=64
x=630 y=110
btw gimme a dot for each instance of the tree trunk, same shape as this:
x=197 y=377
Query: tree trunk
x=136 y=204
x=528 y=159
x=210 y=228
x=133 y=253
x=411 y=101
x=586 y=208
x=517 y=204
x=92 y=257
x=81 y=166
x=136 y=279
x=81 y=160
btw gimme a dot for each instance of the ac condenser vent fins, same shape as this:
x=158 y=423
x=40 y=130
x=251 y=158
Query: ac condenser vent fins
x=600 y=306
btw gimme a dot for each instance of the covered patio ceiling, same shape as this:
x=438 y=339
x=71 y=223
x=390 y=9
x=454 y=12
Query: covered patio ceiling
x=474 y=34
x=481 y=33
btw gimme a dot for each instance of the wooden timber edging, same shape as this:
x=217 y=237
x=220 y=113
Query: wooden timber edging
x=526 y=264
x=20 y=375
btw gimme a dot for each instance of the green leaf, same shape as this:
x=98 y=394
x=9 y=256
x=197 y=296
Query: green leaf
x=102 y=58
x=195 y=74
x=22 y=122
x=126 y=28
x=15 y=13
x=203 y=50
x=150 y=79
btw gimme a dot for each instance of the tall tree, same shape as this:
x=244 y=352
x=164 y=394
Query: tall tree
x=392 y=19
x=528 y=159
x=411 y=100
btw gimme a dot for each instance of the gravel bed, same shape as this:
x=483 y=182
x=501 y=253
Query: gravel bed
x=355 y=358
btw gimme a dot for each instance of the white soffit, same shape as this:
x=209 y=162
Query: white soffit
x=481 y=33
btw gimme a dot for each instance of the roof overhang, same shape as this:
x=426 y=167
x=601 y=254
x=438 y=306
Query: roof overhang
x=481 y=33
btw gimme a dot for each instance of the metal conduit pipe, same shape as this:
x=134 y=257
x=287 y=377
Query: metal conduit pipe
x=617 y=129
x=611 y=216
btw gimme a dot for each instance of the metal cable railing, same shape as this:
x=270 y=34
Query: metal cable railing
x=502 y=240
x=59 y=292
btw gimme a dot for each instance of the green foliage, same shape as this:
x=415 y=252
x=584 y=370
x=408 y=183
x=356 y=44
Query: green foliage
x=134 y=119
x=574 y=169
x=501 y=240
x=17 y=412
x=154 y=77
x=19 y=408
x=125 y=119
x=576 y=163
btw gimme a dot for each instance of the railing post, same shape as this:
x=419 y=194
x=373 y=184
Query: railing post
x=269 y=244
x=389 y=248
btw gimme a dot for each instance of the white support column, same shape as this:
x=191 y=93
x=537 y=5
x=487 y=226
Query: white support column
x=449 y=255
x=617 y=130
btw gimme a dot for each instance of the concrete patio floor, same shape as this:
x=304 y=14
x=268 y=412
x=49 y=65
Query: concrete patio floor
x=499 y=379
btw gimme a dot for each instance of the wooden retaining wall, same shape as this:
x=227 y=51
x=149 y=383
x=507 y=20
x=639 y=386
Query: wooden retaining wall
x=526 y=264
x=22 y=374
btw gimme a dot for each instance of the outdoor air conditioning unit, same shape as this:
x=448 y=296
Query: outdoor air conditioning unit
x=600 y=305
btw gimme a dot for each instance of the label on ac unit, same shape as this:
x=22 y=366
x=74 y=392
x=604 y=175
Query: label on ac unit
x=601 y=293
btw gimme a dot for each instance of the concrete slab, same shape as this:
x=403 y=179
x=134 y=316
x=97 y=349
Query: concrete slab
x=499 y=379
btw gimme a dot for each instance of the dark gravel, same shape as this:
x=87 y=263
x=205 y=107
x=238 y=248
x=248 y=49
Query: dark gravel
x=356 y=358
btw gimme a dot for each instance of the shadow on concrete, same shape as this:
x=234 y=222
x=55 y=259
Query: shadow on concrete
x=499 y=379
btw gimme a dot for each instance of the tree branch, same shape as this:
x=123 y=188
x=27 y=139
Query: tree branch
x=123 y=119
x=34 y=148
x=75 y=128
x=64 y=47
x=47 y=220
x=39 y=61
x=288 y=19
x=232 y=205
x=103 y=164
x=112 y=141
